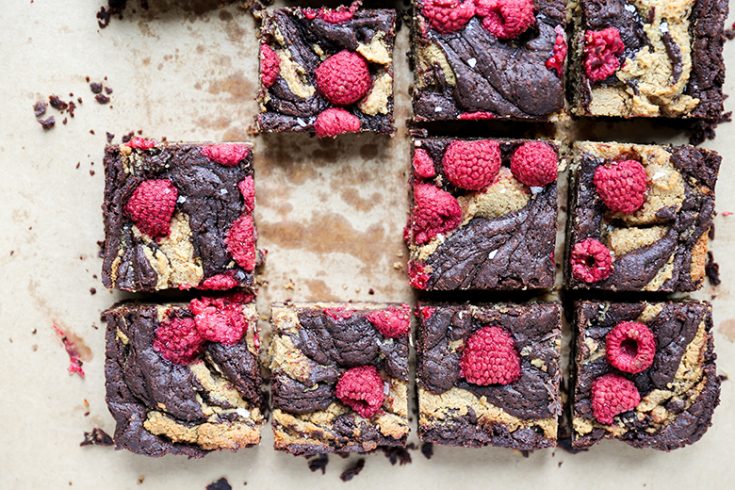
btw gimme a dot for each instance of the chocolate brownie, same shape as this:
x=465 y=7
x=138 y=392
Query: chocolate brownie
x=327 y=71
x=178 y=216
x=339 y=377
x=489 y=374
x=643 y=373
x=483 y=214
x=184 y=378
x=659 y=58
x=477 y=59
x=640 y=216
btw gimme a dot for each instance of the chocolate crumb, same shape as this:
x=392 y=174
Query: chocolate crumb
x=371 y=291
x=352 y=470
x=427 y=449
x=39 y=108
x=47 y=123
x=56 y=102
x=558 y=465
x=92 y=291
x=95 y=87
x=221 y=484
x=525 y=453
x=141 y=479
x=723 y=377
x=102 y=99
x=712 y=269
x=97 y=437
x=109 y=136
x=108 y=90
x=398 y=455
x=319 y=463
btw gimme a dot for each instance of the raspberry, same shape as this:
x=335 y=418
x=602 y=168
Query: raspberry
x=270 y=66
x=534 y=164
x=476 y=116
x=140 y=143
x=178 y=340
x=309 y=13
x=227 y=154
x=601 y=51
x=220 y=319
x=630 y=347
x=506 y=19
x=472 y=165
x=591 y=261
x=247 y=189
x=435 y=211
x=240 y=241
x=622 y=185
x=151 y=207
x=489 y=357
x=559 y=53
x=338 y=313
x=448 y=15
x=343 y=78
x=417 y=275
x=394 y=321
x=612 y=395
x=335 y=121
x=338 y=15
x=219 y=282
x=423 y=165
x=361 y=389
x=426 y=312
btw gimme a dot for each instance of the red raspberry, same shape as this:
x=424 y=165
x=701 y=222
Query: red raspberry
x=394 y=321
x=338 y=313
x=227 y=154
x=425 y=312
x=612 y=395
x=534 y=164
x=247 y=189
x=472 y=165
x=423 y=165
x=240 y=241
x=448 y=15
x=151 y=207
x=178 y=340
x=309 y=13
x=361 y=389
x=417 y=275
x=630 y=347
x=435 y=211
x=343 y=78
x=591 y=261
x=490 y=357
x=559 y=53
x=219 y=282
x=140 y=143
x=601 y=50
x=622 y=185
x=334 y=121
x=506 y=19
x=476 y=116
x=220 y=319
x=270 y=66
x=338 y=15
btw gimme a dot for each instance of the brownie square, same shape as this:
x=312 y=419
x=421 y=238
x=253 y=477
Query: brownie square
x=459 y=404
x=184 y=378
x=339 y=377
x=491 y=61
x=474 y=223
x=326 y=71
x=659 y=58
x=178 y=216
x=640 y=216
x=660 y=360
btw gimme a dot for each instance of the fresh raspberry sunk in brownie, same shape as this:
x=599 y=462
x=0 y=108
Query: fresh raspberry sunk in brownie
x=343 y=78
x=247 y=189
x=394 y=321
x=423 y=165
x=227 y=154
x=448 y=15
x=622 y=185
x=140 y=143
x=240 y=240
x=361 y=389
x=630 y=347
x=612 y=395
x=435 y=211
x=152 y=205
x=472 y=164
x=220 y=319
x=559 y=53
x=591 y=261
x=506 y=19
x=178 y=340
x=338 y=15
x=602 y=50
x=270 y=65
x=490 y=357
x=335 y=121
x=535 y=164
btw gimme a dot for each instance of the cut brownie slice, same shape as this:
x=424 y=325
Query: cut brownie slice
x=485 y=60
x=340 y=377
x=179 y=216
x=484 y=214
x=643 y=373
x=489 y=375
x=184 y=378
x=640 y=216
x=659 y=58
x=327 y=71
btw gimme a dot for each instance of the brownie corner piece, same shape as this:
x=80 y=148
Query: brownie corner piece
x=489 y=375
x=179 y=216
x=339 y=377
x=184 y=378
x=656 y=59
x=643 y=373
x=483 y=215
x=640 y=216
x=469 y=64
x=327 y=71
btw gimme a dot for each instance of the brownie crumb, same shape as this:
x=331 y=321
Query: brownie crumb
x=352 y=470
x=427 y=449
x=95 y=87
x=398 y=455
x=92 y=291
x=712 y=269
x=39 y=108
x=97 y=437
x=47 y=123
x=109 y=136
x=319 y=463
x=58 y=104
x=102 y=99
x=723 y=377
x=221 y=484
